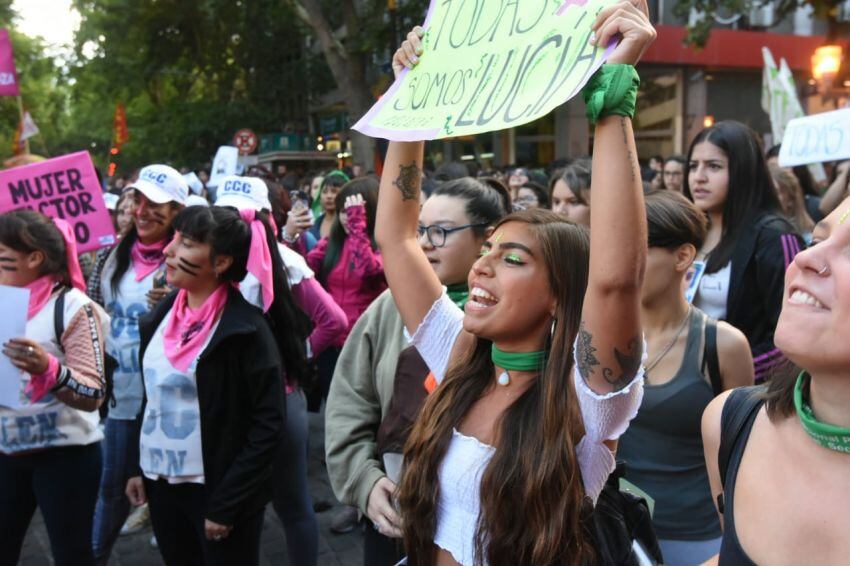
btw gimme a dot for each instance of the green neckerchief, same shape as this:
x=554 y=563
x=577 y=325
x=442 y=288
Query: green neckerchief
x=518 y=361
x=829 y=436
x=459 y=294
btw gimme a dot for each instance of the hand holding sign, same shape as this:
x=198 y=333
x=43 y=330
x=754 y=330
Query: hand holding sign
x=630 y=21
x=490 y=65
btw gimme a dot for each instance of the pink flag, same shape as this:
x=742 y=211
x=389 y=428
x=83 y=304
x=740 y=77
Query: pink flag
x=8 y=74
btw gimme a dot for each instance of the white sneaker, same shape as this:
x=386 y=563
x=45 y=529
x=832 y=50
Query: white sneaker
x=139 y=518
x=154 y=543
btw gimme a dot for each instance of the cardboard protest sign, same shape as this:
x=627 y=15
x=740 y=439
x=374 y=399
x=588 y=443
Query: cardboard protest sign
x=65 y=187
x=489 y=65
x=816 y=138
x=224 y=164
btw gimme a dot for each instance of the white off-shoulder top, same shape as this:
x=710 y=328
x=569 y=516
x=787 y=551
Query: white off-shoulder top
x=606 y=417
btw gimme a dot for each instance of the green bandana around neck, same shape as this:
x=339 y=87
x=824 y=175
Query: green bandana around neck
x=829 y=436
x=518 y=361
x=459 y=294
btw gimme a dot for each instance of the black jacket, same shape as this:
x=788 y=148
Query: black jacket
x=242 y=404
x=756 y=285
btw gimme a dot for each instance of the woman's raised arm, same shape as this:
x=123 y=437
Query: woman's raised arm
x=610 y=346
x=414 y=284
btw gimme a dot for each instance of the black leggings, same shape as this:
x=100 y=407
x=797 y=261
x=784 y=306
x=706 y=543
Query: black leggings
x=177 y=516
x=63 y=483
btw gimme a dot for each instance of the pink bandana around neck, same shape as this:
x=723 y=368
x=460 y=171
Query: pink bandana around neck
x=75 y=272
x=259 y=257
x=188 y=330
x=147 y=257
x=40 y=291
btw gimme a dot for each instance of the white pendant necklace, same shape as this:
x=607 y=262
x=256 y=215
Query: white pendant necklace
x=504 y=379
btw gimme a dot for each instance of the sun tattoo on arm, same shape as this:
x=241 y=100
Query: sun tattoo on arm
x=585 y=352
x=408 y=181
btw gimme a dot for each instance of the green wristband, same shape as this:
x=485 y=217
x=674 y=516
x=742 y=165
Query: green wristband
x=612 y=90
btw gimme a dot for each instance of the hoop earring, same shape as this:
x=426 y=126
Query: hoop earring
x=552 y=330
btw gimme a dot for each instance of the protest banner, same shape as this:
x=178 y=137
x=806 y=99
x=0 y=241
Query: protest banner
x=489 y=65
x=8 y=74
x=224 y=164
x=64 y=187
x=816 y=139
x=13 y=324
x=779 y=99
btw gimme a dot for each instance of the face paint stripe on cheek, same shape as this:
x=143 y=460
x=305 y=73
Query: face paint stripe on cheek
x=188 y=267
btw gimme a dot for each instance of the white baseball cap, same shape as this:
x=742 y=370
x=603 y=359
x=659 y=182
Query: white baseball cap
x=195 y=200
x=243 y=193
x=162 y=184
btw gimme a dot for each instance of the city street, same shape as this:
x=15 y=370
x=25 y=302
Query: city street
x=136 y=550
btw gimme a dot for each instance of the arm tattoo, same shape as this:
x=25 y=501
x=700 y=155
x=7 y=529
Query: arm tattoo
x=408 y=180
x=631 y=157
x=629 y=362
x=585 y=352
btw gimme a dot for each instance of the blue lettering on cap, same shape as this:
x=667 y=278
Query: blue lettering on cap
x=156 y=178
x=236 y=186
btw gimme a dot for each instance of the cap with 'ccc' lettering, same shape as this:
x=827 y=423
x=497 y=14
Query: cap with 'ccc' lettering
x=243 y=193
x=162 y=184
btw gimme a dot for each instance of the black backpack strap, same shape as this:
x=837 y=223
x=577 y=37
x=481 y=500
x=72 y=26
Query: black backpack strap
x=59 y=317
x=710 y=360
x=736 y=421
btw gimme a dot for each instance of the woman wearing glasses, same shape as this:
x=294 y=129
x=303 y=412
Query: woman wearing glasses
x=369 y=388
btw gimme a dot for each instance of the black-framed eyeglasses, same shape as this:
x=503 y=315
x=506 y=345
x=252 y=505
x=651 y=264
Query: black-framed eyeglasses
x=437 y=234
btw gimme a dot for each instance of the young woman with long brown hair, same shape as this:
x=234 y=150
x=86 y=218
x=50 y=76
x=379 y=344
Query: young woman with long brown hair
x=508 y=454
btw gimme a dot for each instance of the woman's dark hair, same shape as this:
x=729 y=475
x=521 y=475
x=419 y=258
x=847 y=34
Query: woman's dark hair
x=227 y=234
x=281 y=205
x=335 y=178
x=680 y=159
x=534 y=509
x=27 y=231
x=122 y=251
x=367 y=187
x=577 y=177
x=750 y=192
x=539 y=191
x=484 y=203
x=673 y=221
x=501 y=189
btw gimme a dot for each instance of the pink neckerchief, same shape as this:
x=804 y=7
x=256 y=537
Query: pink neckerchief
x=147 y=257
x=40 y=291
x=259 y=257
x=187 y=329
x=75 y=272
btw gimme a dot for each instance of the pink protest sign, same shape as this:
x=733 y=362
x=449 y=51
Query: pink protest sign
x=65 y=187
x=8 y=74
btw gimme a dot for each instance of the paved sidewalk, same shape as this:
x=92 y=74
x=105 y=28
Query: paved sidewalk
x=135 y=550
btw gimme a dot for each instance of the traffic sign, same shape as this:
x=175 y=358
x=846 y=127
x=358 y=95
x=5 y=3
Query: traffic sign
x=246 y=141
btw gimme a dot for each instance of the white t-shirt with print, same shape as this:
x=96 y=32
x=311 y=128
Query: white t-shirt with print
x=122 y=342
x=170 y=442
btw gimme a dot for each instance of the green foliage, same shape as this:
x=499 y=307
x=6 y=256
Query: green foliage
x=189 y=73
x=42 y=89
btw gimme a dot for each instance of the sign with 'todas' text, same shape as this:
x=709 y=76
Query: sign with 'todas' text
x=489 y=65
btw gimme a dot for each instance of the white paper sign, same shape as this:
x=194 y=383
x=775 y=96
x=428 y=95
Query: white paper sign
x=195 y=184
x=13 y=324
x=816 y=138
x=223 y=165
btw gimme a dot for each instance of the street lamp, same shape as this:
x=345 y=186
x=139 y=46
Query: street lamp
x=826 y=61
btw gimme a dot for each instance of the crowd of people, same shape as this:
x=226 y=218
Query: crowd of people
x=487 y=345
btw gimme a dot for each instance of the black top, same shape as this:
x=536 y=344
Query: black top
x=241 y=400
x=739 y=414
x=756 y=284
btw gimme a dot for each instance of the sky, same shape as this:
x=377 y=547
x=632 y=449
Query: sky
x=53 y=20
